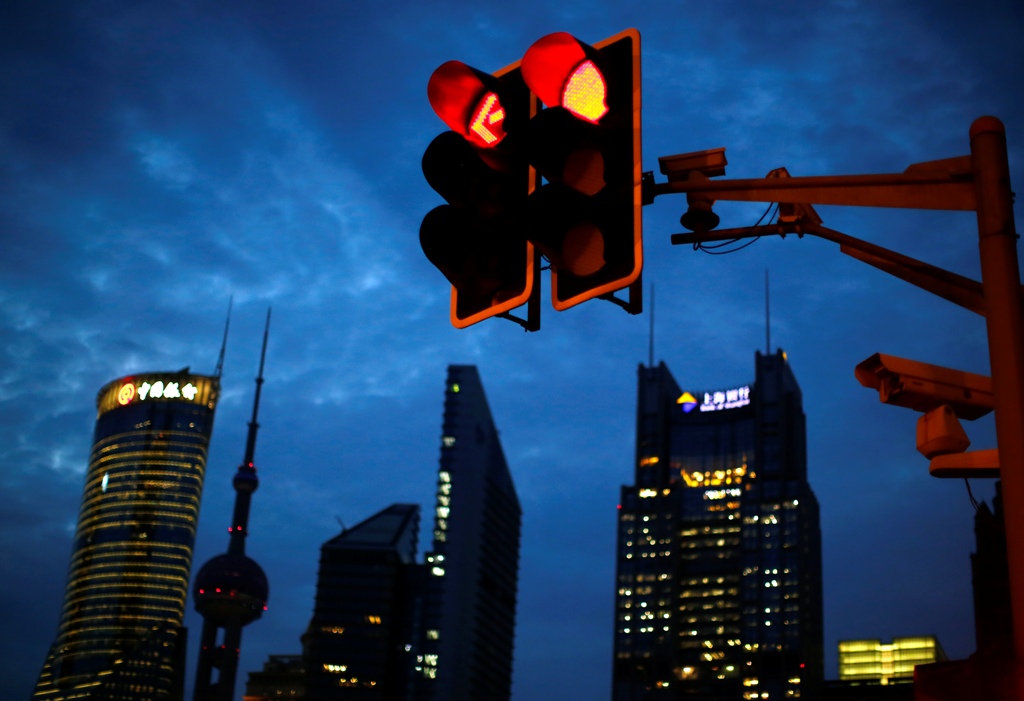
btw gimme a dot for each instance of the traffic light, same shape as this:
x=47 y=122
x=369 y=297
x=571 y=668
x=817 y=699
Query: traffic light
x=587 y=218
x=478 y=239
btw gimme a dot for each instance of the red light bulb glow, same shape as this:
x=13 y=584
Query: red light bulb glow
x=585 y=92
x=487 y=122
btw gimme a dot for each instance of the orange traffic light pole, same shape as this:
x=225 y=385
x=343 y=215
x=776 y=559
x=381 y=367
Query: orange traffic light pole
x=979 y=182
x=1000 y=276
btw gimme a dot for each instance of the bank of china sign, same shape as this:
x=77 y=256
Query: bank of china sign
x=715 y=401
x=156 y=390
x=179 y=387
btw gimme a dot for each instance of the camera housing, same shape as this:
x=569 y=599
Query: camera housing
x=924 y=387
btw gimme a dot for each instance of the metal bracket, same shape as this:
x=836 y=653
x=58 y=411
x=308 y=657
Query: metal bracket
x=975 y=463
x=634 y=304
x=532 y=320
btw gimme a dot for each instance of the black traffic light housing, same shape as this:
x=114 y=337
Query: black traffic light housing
x=587 y=219
x=477 y=240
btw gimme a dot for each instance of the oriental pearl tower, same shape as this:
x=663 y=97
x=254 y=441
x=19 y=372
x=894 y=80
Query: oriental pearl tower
x=231 y=590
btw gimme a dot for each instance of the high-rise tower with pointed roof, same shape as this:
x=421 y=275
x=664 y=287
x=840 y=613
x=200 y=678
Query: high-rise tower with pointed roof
x=469 y=608
x=719 y=592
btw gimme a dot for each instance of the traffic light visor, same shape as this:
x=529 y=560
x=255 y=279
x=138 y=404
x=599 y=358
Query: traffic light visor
x=462 y=98
x=559 y=69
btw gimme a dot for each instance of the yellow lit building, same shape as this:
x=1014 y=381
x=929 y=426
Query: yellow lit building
x=718 y=562
x=120 y=634
x=886 y=663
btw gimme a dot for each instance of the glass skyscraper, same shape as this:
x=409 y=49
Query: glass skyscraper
x=472 y=570
x=718 y=570
x=120 y=634
x=386 y=627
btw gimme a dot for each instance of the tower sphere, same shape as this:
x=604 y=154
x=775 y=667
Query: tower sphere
x=231 y=588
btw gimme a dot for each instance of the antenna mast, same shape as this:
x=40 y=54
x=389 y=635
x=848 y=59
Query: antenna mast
x=650 y=338
x=250 y=443
x=224 y=343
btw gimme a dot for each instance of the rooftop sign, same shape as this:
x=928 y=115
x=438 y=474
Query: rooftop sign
x=716 y=401
x=158 y=387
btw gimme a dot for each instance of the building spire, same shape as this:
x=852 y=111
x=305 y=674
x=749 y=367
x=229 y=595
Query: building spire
x=767 y=316
x=246 y=482
x=231 y=589
x=650 y=336
x=224 y=343
x=250 y=443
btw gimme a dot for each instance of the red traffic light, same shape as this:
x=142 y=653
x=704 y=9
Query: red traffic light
x=562 y=72
x=468 y=102
x=586 y=220
x=586 y=144
x=478 y=239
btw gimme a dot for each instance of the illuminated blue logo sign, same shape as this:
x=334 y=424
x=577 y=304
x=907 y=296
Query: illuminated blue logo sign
x=726 y=399
x=687 y=401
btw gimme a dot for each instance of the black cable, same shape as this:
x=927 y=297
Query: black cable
x=974 y=502
x=711 y=249
x=731 y=250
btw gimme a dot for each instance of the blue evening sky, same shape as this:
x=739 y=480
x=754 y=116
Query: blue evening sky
x=159 y=157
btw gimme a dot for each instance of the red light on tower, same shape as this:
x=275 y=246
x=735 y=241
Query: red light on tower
x=466 y=100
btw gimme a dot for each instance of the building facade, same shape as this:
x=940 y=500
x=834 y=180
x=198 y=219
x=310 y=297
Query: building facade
x=120 y=634
x=887 y=663
x=472 y=570
x=988 y=673
x=282 y=677
x=359 y=643
x=388 y=628
x=990 y=577
x=719 y=592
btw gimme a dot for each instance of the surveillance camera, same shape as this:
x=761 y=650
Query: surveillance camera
x=923 y=387
x=710 y=163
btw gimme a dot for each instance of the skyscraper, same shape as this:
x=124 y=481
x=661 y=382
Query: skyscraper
x=469 y=606
x=120 y=634
x=385 y=627
x=719 y=549
x=359 y=642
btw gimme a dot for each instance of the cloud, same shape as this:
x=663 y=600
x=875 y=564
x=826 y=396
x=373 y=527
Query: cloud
x=162 y=157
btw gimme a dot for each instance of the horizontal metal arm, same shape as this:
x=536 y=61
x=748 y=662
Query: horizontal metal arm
x=954 y=288
x=917 y=188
